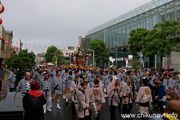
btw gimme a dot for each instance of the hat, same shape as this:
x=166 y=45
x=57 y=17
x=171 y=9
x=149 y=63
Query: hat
x=34 y=85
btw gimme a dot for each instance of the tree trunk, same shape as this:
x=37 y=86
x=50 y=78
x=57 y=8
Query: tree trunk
x=160 y=72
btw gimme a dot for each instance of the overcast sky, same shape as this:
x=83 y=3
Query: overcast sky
x=59 y=22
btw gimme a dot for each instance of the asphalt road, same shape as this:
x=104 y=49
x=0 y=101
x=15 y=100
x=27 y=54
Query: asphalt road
x=66 y=112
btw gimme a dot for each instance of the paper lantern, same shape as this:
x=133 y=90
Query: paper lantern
x=1 y=37
x=11 y=45
x=1 y=21
x=1 y=8
x=6 y=42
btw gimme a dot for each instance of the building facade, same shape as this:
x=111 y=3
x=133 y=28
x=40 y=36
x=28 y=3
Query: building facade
x=8 y=49
x=115 y=33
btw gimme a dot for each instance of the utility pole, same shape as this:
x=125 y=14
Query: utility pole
x=21 y=44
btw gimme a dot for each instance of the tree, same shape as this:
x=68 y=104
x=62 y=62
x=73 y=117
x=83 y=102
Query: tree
x=101 y=52
x=135 y=64
x=136 y=40
x=50 y=53
x=58 y=54
x=156 y=41
x=23 y=62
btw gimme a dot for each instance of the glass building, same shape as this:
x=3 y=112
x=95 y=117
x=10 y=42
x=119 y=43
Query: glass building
x=115 y=33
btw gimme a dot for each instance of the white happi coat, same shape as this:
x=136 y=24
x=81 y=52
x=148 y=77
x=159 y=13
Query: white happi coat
x=143 y=98
x=96 y=93
x=74 y=89
x=111 y=94
x=83 y=99
x=12 y=77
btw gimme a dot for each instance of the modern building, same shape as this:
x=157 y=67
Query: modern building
x=81 y=41
x=115 y=33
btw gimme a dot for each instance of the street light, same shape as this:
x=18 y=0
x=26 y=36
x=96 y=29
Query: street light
x=93 y=55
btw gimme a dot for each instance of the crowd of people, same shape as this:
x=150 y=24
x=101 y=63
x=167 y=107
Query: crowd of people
x=88 y=89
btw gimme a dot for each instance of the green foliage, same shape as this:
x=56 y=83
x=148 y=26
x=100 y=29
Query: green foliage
x=101 y=52
x=50 y=53
x=135 y=64
x=136 y=40
x=23 y=62
x=58 y=54
x=156 y=41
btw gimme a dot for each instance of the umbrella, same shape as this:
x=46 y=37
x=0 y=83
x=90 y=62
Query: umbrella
x=171 y=69
x=112 y=66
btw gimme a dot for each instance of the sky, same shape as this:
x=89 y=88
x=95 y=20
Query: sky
x=42 y=23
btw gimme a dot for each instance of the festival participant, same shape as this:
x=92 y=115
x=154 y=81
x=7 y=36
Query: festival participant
x=161 y=95
x=24 y=85
x=64 y=86
x=58 y=87
x=33 y=103
x=39 y=76
x=108 y=78
x=46 y=88
x=115 y=76
x=69 y=79
x=91 y=77
x=125 y=92
x=142 y=73
x=12 y=80
x=75 y=85
x=80 y=77
x=166 y=81
x=121 y=75
x=33 y=73
x=133 y=79
x=144 y=98
x=136 y=82
x=83 y=102
x=113 y=97
x=172 y=86
x=96 y=98
x=98 y=77
x=129 y=95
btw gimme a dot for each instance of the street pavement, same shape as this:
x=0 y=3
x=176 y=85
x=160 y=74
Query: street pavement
x=66 y=112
